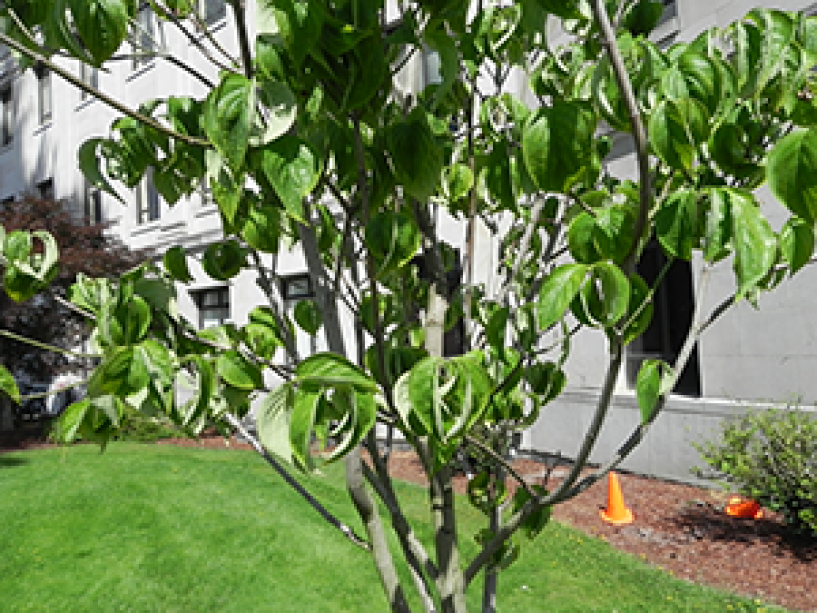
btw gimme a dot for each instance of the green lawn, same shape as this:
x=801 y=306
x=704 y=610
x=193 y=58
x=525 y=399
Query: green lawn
x=160 y=528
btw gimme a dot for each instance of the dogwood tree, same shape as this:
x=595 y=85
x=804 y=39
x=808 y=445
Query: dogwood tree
x=303 y=140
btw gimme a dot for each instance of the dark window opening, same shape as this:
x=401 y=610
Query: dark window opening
x=45 y=189
x=673 y=306
x=44 y=103
x=296 y=287
x=213 y=305
x=92 y=205
x=147 y=200
x=212 y=10
x=6 y=116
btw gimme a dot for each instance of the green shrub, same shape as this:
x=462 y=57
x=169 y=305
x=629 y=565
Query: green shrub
x=138 y=428
x=770 y=456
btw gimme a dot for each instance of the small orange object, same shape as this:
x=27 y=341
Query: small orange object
x=616 y=512
x=743 y=508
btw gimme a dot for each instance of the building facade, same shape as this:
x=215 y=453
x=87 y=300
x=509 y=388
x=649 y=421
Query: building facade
x=750 y=357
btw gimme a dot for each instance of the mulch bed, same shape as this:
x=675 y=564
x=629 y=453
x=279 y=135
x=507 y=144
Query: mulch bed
x=679 y=528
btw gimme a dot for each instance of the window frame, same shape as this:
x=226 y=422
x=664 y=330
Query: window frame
x=222 y=304
x=92 y=205
x=90 y=76
x=45 y=94
x=7 y=114
x=148 y=200
x=286 y=287
x=146 y=32
x=211 y=19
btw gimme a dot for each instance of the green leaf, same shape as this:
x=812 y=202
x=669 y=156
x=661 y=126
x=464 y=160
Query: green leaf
x=301 y=424
x=754 y=241
x=273 y=421
x=101 y=24
x=360 y=413
x=393 y=239
x=639 y=310
x=580 y=239
x=17 y=246
x=308 y=316
x=558 y=292
x=416 y=157
x=175 y=263
x=792 y=172
x=262 y=230
x=122 y=373
x=239 y=372
x=557 y=145
x=330 y=369
x=607 y=294
x=676 y=224
x=126 y=322
x=89 y=165
x=546 y=380
x=228 y=114
x=69 y=421
x=281 y=107
x=223 y=261
x=8 y=385
x=293 y=169
x=796 y=243
x=537 y=520
x=718 y=230
x=649 y=388
x=676 y=128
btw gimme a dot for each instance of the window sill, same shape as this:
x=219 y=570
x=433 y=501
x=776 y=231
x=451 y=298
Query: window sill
x=205 y=210
x=146 y=227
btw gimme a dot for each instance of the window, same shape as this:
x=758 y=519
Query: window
x=45 y=189
x=144 y=36
x=147 y=199
x=296 y=287
x=673 y=305
x=44 y=103
x=90 y=76
x=6 y=116
x=213 y=305
x=92 y=204
x=212 y=11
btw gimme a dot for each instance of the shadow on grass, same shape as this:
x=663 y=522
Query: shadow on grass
x=711 y=523
x=11 y=462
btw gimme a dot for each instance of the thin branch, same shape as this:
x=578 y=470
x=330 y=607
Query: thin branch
x=348 y=532
x=608 y=40
x=51 y=348
x=243 y=38
x=504 y=464
x=524 y=244
x=115 y=104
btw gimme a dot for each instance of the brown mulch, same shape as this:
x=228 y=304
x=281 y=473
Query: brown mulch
x=677 y=527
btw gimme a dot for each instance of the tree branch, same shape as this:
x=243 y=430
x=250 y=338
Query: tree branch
x=114 y=104
x=236 y=424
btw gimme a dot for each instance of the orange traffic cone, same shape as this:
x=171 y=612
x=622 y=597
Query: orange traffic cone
x=743 y=508
x=616 y=512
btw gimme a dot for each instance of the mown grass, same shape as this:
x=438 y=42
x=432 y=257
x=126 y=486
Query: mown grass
x=160 y=528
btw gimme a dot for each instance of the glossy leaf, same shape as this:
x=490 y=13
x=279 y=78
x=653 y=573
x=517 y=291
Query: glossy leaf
x=416 y=157
x=301 y=424
x=293 y=168
x=676 y=224
x=308 y=316
x=238 y=371
x=557 y=145
x=329 y=369
x=102 y=25
x=223 y=261
x=558 y=291
x=8 y=385
x=754 y=241
x=175 y=263
x=273 y=420
x=796 y=243
x=393 y=239
x=228 y=117
x=792 y=173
